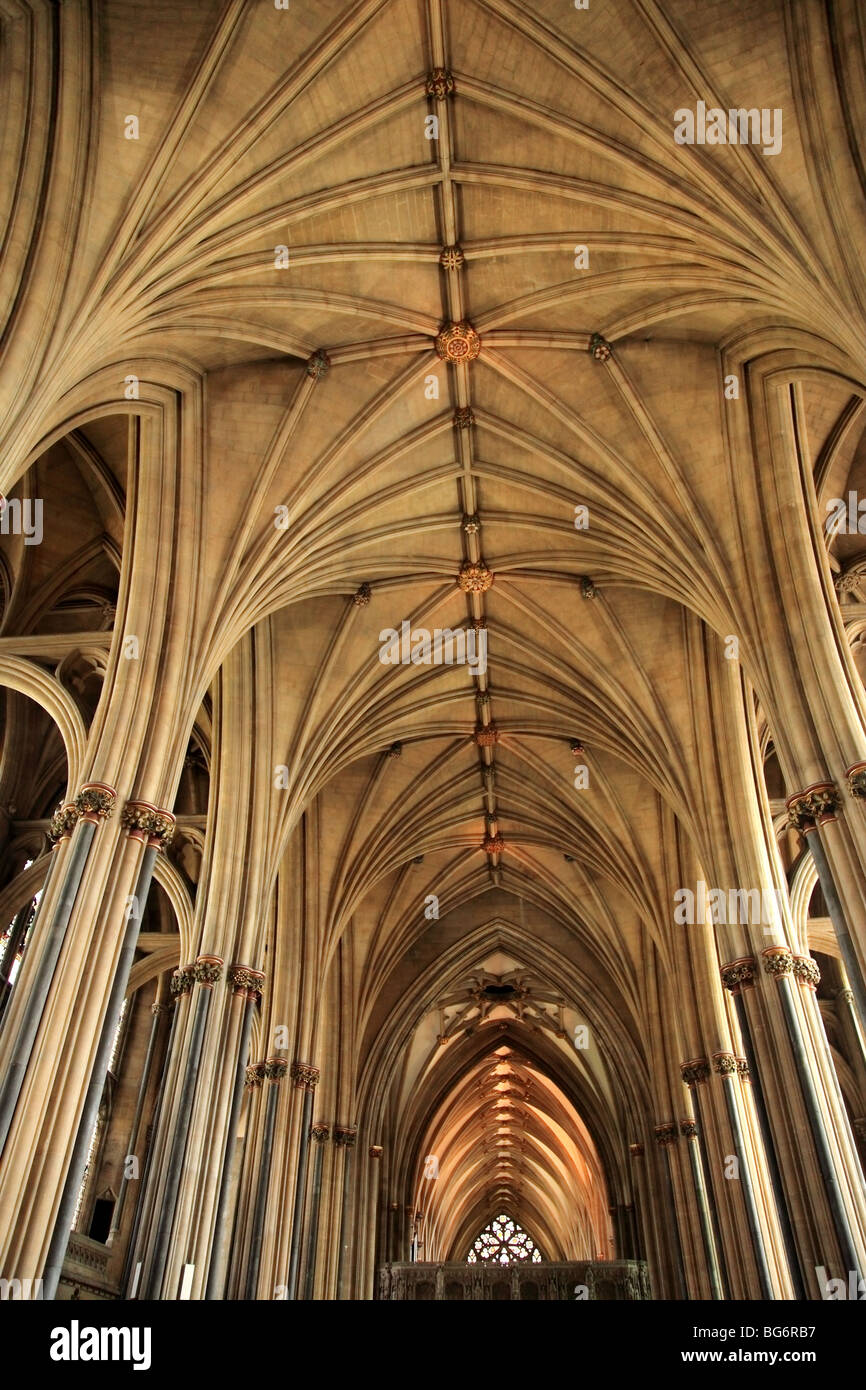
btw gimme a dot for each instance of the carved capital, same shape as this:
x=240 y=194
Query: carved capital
x=208 y=970
x=739 y=974
x=158 y=1009
x=95 y=801
x=142 y=821
x=457 y=342
x=320 y=1132
x=182 y=981
x=345 y=1136
x=689 y=1129
x=666 y=1134
x=304 y=1076
x=275 y=1069
x=255 y=1075
x=724 y=1064
x=244 y=980
x=695 y=1072
x=807 y=972
x=778 y=961
x=63 y=822
x=636 y=1150
x=813 y=806
x=855 y=776
x=743 y=1068
x=376 y=1150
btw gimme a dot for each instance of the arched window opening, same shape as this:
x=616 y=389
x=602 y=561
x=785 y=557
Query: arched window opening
x=502 y=1241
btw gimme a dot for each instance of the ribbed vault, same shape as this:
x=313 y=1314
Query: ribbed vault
x=375 y=384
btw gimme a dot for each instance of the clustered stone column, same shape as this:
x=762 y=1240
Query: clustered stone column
x=319 y=1135
x=304 y=1078
x=270 y=1072
x=689 y=1131
x=666 y=1136
x=153 y=828
x=247 y=987
x=72 y=829
x=780 y=964
x=737 y=977
x=344 y=1137
x=206 y=972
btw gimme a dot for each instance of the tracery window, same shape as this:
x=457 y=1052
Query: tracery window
x=503 y=1241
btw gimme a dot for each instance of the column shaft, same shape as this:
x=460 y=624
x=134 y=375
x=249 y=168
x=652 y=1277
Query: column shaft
x=729 y=1081
x=320 y=1138
x=216 y=1276
x=39 y=987
x=177 y=1144
x=274 y=1069
x=93 y=1095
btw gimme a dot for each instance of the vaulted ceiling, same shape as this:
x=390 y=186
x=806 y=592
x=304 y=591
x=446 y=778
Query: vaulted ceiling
x=286 y=246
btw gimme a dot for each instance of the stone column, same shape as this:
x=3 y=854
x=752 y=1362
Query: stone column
x=645 y=1215
x=319 y=1134
x=146 y=1205
x=689 y=1131
x=304 y=1078
x=79 y=821
x=17 y=933
x=666 y=1137
x=725 y=1066
x=780 y=963
x=247 y=987
x=695 y=1074
x=273 y=1071
x=207 y=970
x=808 y=810
x=158 y=1012
x=850 y=1025
x=376 y=1216
x=155 y=835
x=344 y=1137
x=739 y=975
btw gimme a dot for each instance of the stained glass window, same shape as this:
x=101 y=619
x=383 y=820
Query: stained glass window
x=503 y=1241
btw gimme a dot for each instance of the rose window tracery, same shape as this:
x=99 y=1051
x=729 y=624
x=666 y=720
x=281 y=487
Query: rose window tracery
x=503 y=1241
